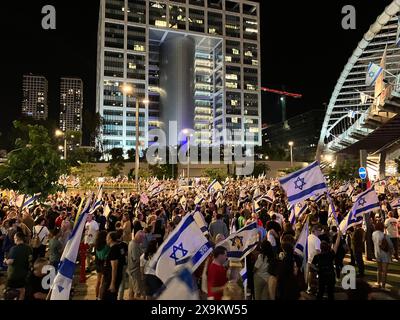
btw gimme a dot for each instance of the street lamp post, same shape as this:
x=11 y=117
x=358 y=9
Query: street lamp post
x=137 y=146
x=291 y=152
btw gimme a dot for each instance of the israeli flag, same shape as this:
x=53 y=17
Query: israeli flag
x=200 y=220
x=257 y=193
x=373 y=72
x=270 y=197
x=242 y=242
x=303 y=183
x=292 y=217
x=214 y=186
x=186 y=241
x=153 y=186
x=198 y=200
x=181 y=286
x=398 y=34
x=60 y=290
x=301 y=247
x=350 y=190
x=395 y=204
x=331 y=208
x=392 y=188
x=156 y=191
x=365 y=202
x=99 y=200
x=256 y=206
x=298 y=210
x=243 y=274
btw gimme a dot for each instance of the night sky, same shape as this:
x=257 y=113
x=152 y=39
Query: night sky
x=304 y=50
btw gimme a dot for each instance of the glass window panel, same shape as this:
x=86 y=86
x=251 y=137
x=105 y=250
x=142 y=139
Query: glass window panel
x=232 y=77
x=158 y=14
x=232 y=26
x=232 y=52
x=250 y=54
x=136 y=39
x=137 y=11
x=232 y=6
x=250 y=29
x=215 y=23
x=177 y=17
x=250 y=79
x=215 y=4
x=113 y=64
x=114 y=35
x=196 y=20
x=115 y=9
x=233 y=103
x=136 y=67
x=112 y=94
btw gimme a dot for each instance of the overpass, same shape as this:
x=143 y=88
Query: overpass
x=366 y=118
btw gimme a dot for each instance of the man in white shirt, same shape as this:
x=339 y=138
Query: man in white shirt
x=314 y=248
x=91 y=230
x=392 y=228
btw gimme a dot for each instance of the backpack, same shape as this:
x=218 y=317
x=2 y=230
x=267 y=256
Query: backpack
x=384 y=245
x=36 y=242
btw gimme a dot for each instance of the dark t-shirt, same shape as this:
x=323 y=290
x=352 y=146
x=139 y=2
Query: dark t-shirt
x=112 y=220
x=19 y=269
x=324 y=262
x=117 y=252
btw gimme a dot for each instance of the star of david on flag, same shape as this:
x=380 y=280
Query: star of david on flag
x=303 y=183
x=365 y=202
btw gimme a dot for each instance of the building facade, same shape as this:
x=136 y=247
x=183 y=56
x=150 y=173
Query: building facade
x=71 y=104
x=34 y=97
x=196 y=62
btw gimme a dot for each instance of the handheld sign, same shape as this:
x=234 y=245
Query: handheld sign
x=362 y=172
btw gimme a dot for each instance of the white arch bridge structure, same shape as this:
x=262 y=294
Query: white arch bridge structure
x=366 y=118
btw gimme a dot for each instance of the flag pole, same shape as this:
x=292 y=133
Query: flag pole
x=245 y=284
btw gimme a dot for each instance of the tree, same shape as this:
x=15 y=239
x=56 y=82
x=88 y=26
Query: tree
x=35 y=165
x=260 y=168
x=217 y=174
x=344 y=171
x=77 y=156
x=117 y=162
x=86 y=174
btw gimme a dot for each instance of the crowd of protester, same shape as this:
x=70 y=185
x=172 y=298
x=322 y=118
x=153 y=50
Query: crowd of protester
x=121 y=242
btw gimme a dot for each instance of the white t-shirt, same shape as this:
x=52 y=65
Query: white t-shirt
x=91 y=229
x=391 y=225
x=314 y=244
x=271 y=238
x=42 y=233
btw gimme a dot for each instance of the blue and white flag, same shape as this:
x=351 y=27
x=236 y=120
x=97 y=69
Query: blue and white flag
x=350 y=190
x=156 y=191
x=256 y=206
x=99 y=200
x=296 y=211
x=186 y=241
x=200 y=220
x=29 y=201
x=365 y=202
x=301 y=247
x=303 y=183
x=395 y=204
x=331 y=208
x=373 y=72
x=181 y=286
x=242 y=242
x=61 y=287
x=270 y=196
x=198 y=200
x=214 y=187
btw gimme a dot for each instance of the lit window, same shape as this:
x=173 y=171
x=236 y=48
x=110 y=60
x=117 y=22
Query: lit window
x=235 y=51
x=234 y=120
x=228 y=59
x=132 y=66
x=161 y=23
x=231 y=77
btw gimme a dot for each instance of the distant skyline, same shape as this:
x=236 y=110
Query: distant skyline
x=294 y=54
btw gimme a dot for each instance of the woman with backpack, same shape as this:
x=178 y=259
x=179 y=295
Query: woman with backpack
x=383 y=251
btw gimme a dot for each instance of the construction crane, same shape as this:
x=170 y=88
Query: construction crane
x=283 y=95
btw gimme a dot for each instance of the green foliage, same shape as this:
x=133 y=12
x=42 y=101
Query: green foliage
x=35 y=165
x=347 y=170
x=218 y=174
x=86 y=174
x=117 y=162
x=291 y=170
x=260 y=168
x=276 y=153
